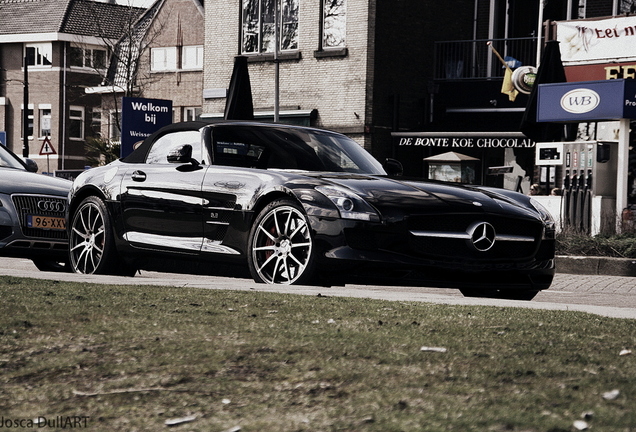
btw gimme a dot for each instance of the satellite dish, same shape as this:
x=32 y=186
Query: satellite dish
x=523 y=78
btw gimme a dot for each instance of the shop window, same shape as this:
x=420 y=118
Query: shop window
x=163 y=59
x=76 y=123
x=192 y=57
x=45 y=122
x=258 y=25
x=40 y=54
x=334 y=24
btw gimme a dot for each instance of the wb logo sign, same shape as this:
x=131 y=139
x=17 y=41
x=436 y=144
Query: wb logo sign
x=580 y=101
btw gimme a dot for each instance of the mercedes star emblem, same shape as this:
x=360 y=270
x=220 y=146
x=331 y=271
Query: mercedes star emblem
x=482 y=236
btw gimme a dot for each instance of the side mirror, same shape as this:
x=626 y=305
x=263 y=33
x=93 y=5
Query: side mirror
x=31 y=166
x=182 y=154
x=393 y=167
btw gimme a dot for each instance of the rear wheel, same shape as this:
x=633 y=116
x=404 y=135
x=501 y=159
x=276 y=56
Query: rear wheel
x=91 y=242
x=281 y=249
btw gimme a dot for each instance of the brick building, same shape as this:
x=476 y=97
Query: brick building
x=65 y=44
x=166 y=48
x=357 y=67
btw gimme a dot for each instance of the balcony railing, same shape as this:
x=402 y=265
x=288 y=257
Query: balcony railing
x=472 y=59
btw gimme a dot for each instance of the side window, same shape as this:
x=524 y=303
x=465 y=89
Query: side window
x=238 y=153
x=240 y=148
x=162 y=146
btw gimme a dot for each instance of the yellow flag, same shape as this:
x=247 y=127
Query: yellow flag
x=507 y=87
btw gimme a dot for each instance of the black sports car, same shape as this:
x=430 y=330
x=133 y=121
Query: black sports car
x=32 y=213
x=301 y=206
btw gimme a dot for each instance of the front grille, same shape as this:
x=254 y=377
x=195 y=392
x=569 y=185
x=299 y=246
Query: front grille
x=398 y=239
x=460 y=222
x=28 y=205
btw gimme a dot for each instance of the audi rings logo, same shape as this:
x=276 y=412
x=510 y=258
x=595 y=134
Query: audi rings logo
x=51 y=206
x=482 y=236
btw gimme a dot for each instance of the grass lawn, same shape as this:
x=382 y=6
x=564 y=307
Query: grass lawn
x=133 y=358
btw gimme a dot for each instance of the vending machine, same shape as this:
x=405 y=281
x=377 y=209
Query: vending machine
x=589 y=185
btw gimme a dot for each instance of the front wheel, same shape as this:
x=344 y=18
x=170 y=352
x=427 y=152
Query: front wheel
x=91 y=241
x=281 y=249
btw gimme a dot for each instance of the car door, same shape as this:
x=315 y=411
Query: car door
x=232 y=183
x=161 y=202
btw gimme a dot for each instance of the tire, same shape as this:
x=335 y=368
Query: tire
x=51 y=265
x=281 y=249
x=92 y=243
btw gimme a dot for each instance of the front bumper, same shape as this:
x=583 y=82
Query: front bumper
x=392 y=254
x=20 y=241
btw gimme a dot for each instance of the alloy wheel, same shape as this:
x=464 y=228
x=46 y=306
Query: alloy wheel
x=281 y=246
x=88 y=237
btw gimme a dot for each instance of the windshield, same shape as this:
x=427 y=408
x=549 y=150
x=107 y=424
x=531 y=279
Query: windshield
x=291 y=149
x=8 y=160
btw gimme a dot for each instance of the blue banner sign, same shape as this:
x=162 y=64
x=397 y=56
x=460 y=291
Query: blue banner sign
x=587 y=101
x=140 y=118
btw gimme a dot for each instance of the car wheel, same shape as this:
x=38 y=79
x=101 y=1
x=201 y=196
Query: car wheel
x=91 y=242
x=281 y=249
x=51 y=265
x=520 y=294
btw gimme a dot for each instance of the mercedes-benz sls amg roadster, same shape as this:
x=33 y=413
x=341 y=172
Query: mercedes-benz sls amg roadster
x=298 y=205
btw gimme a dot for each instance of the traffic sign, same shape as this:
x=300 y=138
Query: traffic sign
x=47 y=147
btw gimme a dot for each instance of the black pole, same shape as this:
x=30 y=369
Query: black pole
x=25 y=111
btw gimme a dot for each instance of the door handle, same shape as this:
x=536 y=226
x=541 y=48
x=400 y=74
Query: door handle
x=138 y=176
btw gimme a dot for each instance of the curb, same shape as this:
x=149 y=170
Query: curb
x=583 y=265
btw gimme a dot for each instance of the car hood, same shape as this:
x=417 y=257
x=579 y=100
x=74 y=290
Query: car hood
x=411 y=196
x=17 y=181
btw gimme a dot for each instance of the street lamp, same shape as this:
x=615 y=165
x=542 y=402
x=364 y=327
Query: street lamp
x=25 y=111
x=276 y=62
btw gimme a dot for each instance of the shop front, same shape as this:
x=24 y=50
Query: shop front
x=596 y=180
x=500 y=159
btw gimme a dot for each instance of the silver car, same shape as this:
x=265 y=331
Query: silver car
x=32 y=213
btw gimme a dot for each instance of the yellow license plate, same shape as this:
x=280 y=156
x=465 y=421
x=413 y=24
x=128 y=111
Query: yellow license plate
x=46 y=222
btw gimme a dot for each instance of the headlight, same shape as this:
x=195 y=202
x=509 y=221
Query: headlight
x=545 y=214
x=349 y=205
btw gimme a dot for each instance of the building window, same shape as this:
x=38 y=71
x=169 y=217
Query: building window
x=334 y=24
x=191 y=113
x=626 y=7
x=258 y=25
x=96 y=122
x=29 y=122
x=76 y=122
x=114 y=130
x=45 y=122
x=89 y=57
x=192 y=57
x=163 y=59
x=39 y=54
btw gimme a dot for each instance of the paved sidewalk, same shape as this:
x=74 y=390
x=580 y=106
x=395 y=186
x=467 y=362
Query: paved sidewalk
x=594 y=284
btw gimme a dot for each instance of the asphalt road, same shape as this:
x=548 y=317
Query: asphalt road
x=611 y=296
